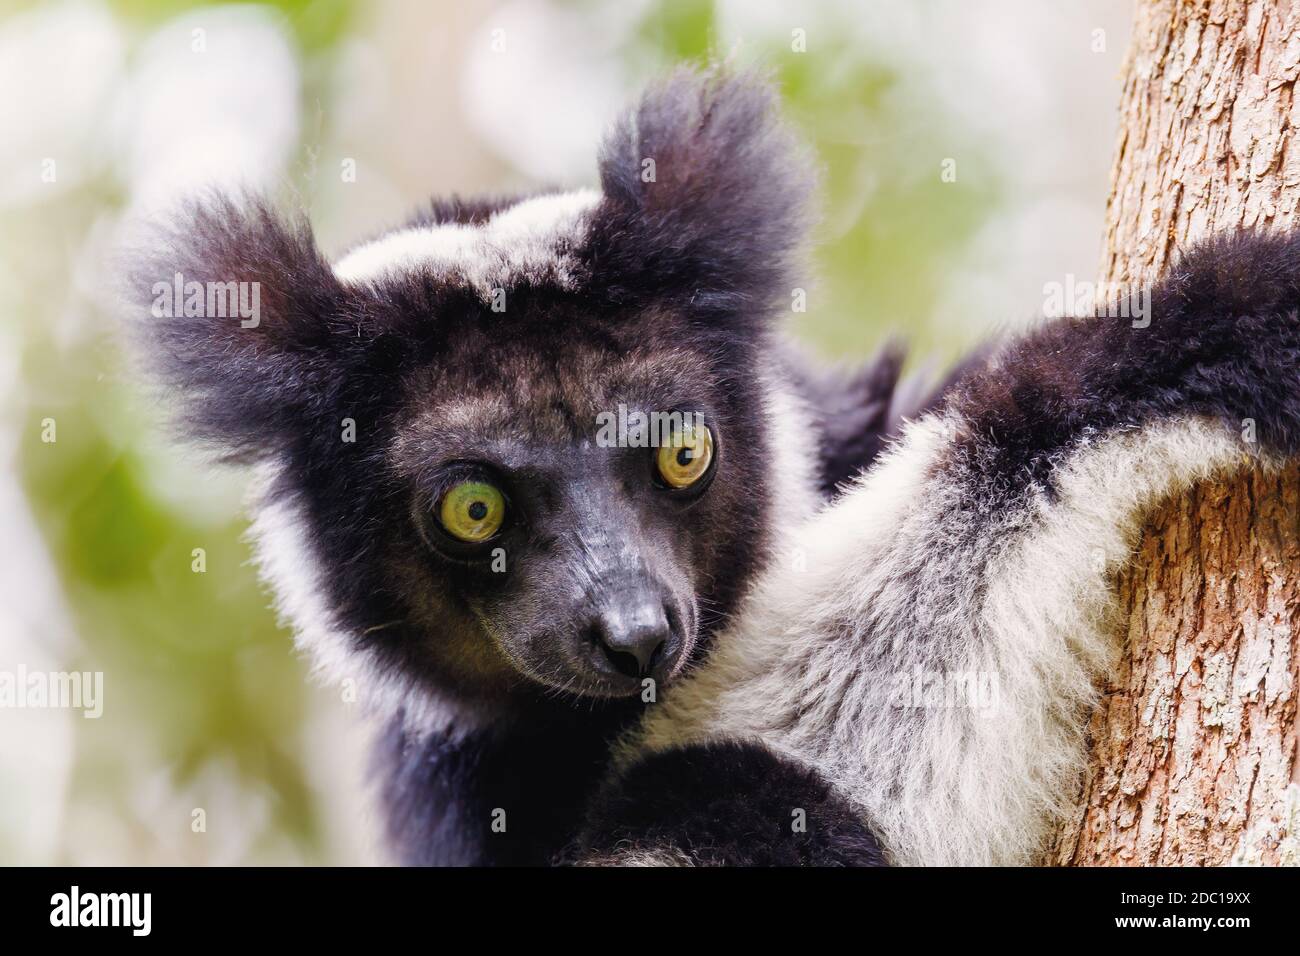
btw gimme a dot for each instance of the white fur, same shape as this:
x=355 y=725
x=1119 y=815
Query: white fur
x=286 y=561
x=529 y=240
x=793 y=455
x=907 y=572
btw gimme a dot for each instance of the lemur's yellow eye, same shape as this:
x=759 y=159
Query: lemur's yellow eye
x=472 y=511
x=685 y=459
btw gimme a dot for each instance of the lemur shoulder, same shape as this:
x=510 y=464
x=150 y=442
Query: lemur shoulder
x=506 y=587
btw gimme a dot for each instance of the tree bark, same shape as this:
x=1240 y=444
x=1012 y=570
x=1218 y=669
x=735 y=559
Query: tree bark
x=1193 y=747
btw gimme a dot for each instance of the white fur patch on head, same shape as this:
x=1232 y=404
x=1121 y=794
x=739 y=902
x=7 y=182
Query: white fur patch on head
x=530 y=240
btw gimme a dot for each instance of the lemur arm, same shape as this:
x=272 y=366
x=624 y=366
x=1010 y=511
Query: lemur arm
x=507 y=795
x=937 y=659
x=723 y=803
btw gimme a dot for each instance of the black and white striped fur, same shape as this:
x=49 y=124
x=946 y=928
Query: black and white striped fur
x=984 y=542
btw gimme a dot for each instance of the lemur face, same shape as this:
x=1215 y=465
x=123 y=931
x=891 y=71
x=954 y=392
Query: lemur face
x=439 y=408
x=559 y=497
x=549 y=544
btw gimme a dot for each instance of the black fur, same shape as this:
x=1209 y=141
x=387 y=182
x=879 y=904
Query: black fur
x=247 y=389
x=725 y=804
x=1223 y=342
x=859 y=410
x=716 y=233
x=442 y=796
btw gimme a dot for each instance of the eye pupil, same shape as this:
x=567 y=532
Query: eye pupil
x=686 y=459
x=472 y=511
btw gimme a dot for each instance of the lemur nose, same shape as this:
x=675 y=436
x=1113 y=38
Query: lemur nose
x=635 y=637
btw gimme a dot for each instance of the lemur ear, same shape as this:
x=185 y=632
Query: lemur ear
x=242 y=317
x=707 y=194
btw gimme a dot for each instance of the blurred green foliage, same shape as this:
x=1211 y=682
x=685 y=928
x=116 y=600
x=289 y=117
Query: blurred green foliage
x=891 y=227
x=196 y=670
x=317 y=24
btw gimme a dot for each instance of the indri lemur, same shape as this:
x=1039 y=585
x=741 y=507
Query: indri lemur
x=504 y=586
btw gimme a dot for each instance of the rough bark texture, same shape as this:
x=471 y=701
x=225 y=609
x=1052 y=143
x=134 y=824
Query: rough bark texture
x=1194 y=743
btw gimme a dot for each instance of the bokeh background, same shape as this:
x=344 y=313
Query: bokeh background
x=356 y=112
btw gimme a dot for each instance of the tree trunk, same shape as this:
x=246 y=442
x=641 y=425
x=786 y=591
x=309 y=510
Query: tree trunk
x=1193 y=747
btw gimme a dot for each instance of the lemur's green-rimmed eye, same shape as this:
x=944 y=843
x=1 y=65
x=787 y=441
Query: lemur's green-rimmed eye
x=472 y=511
x=686 y=458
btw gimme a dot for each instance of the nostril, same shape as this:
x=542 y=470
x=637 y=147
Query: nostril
x=634 y=637
x=656 y=656
x=623 y=662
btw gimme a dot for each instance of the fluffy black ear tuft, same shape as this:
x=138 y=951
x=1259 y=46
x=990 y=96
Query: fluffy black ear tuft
x=707 y=195
x=237 y=311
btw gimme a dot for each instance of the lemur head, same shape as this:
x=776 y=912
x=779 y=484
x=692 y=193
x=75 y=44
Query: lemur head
x=459 y=495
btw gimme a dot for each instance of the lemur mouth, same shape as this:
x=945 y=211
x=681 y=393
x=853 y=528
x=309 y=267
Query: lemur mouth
x=622 y=674
x=615 y=688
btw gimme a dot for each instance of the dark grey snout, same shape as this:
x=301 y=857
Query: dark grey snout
x=632 y=633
